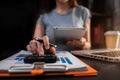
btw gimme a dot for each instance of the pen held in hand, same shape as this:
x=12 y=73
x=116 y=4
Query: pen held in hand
x=41 y=41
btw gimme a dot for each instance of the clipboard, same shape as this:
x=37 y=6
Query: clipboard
x=90 y=72
x=78 y=69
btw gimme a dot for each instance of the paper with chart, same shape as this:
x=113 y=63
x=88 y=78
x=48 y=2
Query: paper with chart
x=65 y=62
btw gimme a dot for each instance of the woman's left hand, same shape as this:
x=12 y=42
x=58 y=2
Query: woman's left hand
x=77 y=43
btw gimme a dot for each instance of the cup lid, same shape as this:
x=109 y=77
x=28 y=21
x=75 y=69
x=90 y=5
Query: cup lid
x=112 y=33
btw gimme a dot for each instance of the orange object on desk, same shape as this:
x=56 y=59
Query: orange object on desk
x=90 y=72
x=37 y=72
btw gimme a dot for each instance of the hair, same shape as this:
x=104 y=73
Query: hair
x=48 y=5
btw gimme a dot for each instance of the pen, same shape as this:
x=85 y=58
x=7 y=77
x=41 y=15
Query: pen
x=41 y=41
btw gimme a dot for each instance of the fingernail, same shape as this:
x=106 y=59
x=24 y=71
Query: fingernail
x=41 y=54
x=47 y=47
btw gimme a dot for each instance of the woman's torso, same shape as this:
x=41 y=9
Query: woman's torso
x=53 y=20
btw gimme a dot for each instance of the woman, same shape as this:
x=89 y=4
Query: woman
x=59 y=13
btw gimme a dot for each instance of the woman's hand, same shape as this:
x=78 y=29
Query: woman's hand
x=37 y=47
x=82 y=43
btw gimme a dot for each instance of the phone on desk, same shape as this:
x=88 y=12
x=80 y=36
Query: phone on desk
x=68 y=33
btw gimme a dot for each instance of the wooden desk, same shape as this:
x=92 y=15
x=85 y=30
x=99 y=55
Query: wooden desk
x=106 y=71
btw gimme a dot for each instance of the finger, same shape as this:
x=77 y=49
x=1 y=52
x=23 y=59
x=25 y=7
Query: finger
x=29 y=48
x=33 y=45
x=40 y=49
x=82 y=39
x=52 y=50
x=46 y=42
x=74 y=43
x=69 y=42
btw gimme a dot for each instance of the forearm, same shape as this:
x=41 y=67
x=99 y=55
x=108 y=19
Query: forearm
x=39 y=31
x=87 y=44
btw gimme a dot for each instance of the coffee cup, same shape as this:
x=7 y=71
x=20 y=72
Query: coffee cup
x=112 y=39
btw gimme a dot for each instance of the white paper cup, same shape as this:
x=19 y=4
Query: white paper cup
x=112 y=39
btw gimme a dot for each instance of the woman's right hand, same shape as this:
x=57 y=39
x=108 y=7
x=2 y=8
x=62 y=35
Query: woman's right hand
x=37 y=47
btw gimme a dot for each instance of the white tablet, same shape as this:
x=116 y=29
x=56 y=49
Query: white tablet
x=68 y=33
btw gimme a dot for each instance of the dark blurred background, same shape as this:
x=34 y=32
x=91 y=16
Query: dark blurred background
x=16 y=24
x=17 y=19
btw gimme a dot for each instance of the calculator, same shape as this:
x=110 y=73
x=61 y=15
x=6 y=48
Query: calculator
x=46 y=58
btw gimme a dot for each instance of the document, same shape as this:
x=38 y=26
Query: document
x=65 y=62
